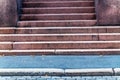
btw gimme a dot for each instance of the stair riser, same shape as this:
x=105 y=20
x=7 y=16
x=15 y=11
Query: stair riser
x=67 y=46
x=53 y=0
x=61 y=38
x=57 y=24
x=55 y=31
x=6 y=47
x=60 y=31
x=77 y=30
x=57 y=10
x=7 y=31
x=49 y=38
x=60 y=53
x=58 y=17
x=59 y=4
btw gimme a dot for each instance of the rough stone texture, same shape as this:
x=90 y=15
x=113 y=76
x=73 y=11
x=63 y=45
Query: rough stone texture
x=108 y=12
x=8 y=13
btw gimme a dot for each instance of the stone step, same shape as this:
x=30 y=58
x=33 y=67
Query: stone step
x=60 y=37
x=59 y=30
x=53 y=0
x=57 y=23
x=58 y=4
x=58 y=10
x=59 y=45
x=61 y=52
x=7 y=30
x=6 y=45
x=66 y=45
x=84 y=16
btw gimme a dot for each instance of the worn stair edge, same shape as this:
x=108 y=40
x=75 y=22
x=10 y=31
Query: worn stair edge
x=89 y=27
x=57 y=72
x=59 y=1
x=56 y=42
x=60 y=52
x=53 y=0
x=117 y=71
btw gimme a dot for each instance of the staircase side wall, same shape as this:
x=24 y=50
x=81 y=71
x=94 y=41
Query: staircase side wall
x=108 y=12
x=8 y=13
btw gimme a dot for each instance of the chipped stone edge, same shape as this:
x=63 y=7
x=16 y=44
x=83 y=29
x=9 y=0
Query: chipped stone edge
x=58 y=72
x=117 y=71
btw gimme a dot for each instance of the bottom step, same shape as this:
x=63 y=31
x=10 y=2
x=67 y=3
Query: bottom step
x=61 y=52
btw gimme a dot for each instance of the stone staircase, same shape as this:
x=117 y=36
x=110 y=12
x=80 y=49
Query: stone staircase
x=57 y=13
x=59 y=27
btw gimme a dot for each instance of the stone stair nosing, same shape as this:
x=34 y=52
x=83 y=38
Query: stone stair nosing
x=60 y=52
x=53 y=0
x=59 y=30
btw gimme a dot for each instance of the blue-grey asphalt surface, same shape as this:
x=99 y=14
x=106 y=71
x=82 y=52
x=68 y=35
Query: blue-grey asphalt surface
x=60 y=62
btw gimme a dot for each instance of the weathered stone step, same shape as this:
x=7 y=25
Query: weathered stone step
x=61 y=52
x=58 y=4
x=59 y=30
x=60 y=45
x=66 y=45
x=6 y=45
x=53 y=0
x=84 y=16
x=58 y=10
x=57 y=23
x=7 y=30
x=60 y=37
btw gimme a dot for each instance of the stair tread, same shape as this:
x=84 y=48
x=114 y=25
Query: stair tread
x=73 y=34
x=58 y=14
x=69 y=50
x=60 y=27
x=56 y=21
x=59 y=8
x=57 y=1
x=56 y=42
x=53 y=0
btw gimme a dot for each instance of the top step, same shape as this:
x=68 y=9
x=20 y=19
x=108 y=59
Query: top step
x=53 y=0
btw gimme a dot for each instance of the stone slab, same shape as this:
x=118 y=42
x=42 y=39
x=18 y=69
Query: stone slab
x=8 y=13
x=108 y=12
